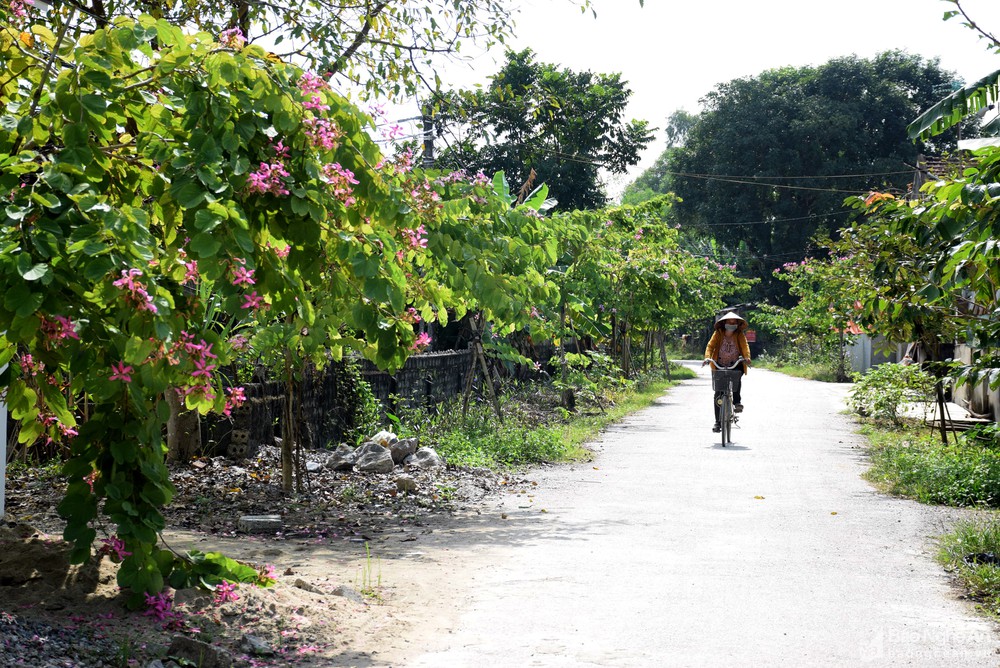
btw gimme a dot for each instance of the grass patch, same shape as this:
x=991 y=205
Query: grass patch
x=912 y=462
x=534 y=428
x=814 y=371
x=972 y=553
x=583 y=428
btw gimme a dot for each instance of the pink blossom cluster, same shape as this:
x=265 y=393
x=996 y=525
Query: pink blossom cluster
x=457 y=176
x=310 y=83
x=268 y=178
x=135 y=291
x=402 y=163
x=115 y=547
x=638 y=234
x=48 y=420
x=19 y=8
x=160 y=606
x=242 y=275
x=480 y=179
x=239 y=342
x=323 y=133
x=190 y=271
x=233 y=38
x=415 y=238
x=413 y=315
x=58 y=328
x=226 y=591
x=280 y=252
x=393 y=132
x=425 y=200
x=29 y=367
x=342 y=182
x=236 y=397
x=315 y=102
x=267 y=575
x=422 y=341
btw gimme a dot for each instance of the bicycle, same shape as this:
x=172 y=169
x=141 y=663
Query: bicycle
x=722 y=381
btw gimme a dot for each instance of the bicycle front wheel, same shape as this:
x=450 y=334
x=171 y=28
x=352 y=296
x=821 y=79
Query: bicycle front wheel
x=726 y=417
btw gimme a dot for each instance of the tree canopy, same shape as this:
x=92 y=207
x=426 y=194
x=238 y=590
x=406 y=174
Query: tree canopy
x=536 y=121
x=769 y=161
x=379 y=47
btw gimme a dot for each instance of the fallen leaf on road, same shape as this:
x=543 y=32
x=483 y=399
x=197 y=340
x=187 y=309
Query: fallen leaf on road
x=759 y=498
x=834 y=512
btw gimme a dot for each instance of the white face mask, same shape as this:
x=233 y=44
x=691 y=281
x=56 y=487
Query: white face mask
x=732 y=328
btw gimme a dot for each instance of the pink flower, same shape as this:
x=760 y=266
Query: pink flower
x=121 y=372
x=323 y=133
x=252 y=300
x=341 y=181
x=239 y=342
x=159 y=606
x=233 y=38
x=135 y=291
x=243 y=276
x=310 y=83
x=282 y=252
x=190 y=271
x=237 y=396
x=422 y=341
x=415 y=238
x=19 y=8
x=114 y=546
x=226 y=591
x=202 y=368
x=59 y=328
x=90 y=479
x=268 y=178
x=315 y=102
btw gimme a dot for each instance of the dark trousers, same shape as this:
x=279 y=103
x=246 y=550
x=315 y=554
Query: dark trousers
x=737 y=386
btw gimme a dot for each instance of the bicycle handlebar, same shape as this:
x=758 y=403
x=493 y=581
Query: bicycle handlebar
x=709 y=360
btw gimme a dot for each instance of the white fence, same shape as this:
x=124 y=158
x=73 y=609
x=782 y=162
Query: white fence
x=865 y=353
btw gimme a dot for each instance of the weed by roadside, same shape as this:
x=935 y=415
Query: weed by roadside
x=534 y=428
x=911 y=461
x=797 y=364
x=972 y=553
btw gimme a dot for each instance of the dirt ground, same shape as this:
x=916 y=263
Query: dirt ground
x=356 y=561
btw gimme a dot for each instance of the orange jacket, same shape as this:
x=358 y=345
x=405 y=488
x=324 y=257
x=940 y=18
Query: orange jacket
x=712 y=349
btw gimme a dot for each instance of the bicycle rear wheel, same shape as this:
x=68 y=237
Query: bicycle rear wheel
x=726 y=417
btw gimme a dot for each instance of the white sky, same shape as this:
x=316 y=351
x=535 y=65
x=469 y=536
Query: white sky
x=673 y=52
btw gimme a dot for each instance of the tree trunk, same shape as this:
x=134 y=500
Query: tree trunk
x=663 y=354
x=183 y=429
x=288 y=430
x=568 y=399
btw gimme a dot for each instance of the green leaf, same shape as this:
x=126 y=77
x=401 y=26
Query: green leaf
x=205 y=245
x=95 y=104
x=188 y=193
x=953 y=109
x=206 y=220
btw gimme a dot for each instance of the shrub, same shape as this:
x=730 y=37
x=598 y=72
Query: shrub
x=881 y=392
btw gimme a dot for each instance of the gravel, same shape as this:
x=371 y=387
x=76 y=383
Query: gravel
x=35 y=644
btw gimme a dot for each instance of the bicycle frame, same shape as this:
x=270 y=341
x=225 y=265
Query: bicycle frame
x=722 y=381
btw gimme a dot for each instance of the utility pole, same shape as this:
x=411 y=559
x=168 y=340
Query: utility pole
x=428 y=119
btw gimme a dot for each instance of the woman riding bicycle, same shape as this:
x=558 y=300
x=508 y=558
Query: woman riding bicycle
x=727 y=345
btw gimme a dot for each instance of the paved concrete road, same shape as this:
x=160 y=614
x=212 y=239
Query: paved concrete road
x=669 y=550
